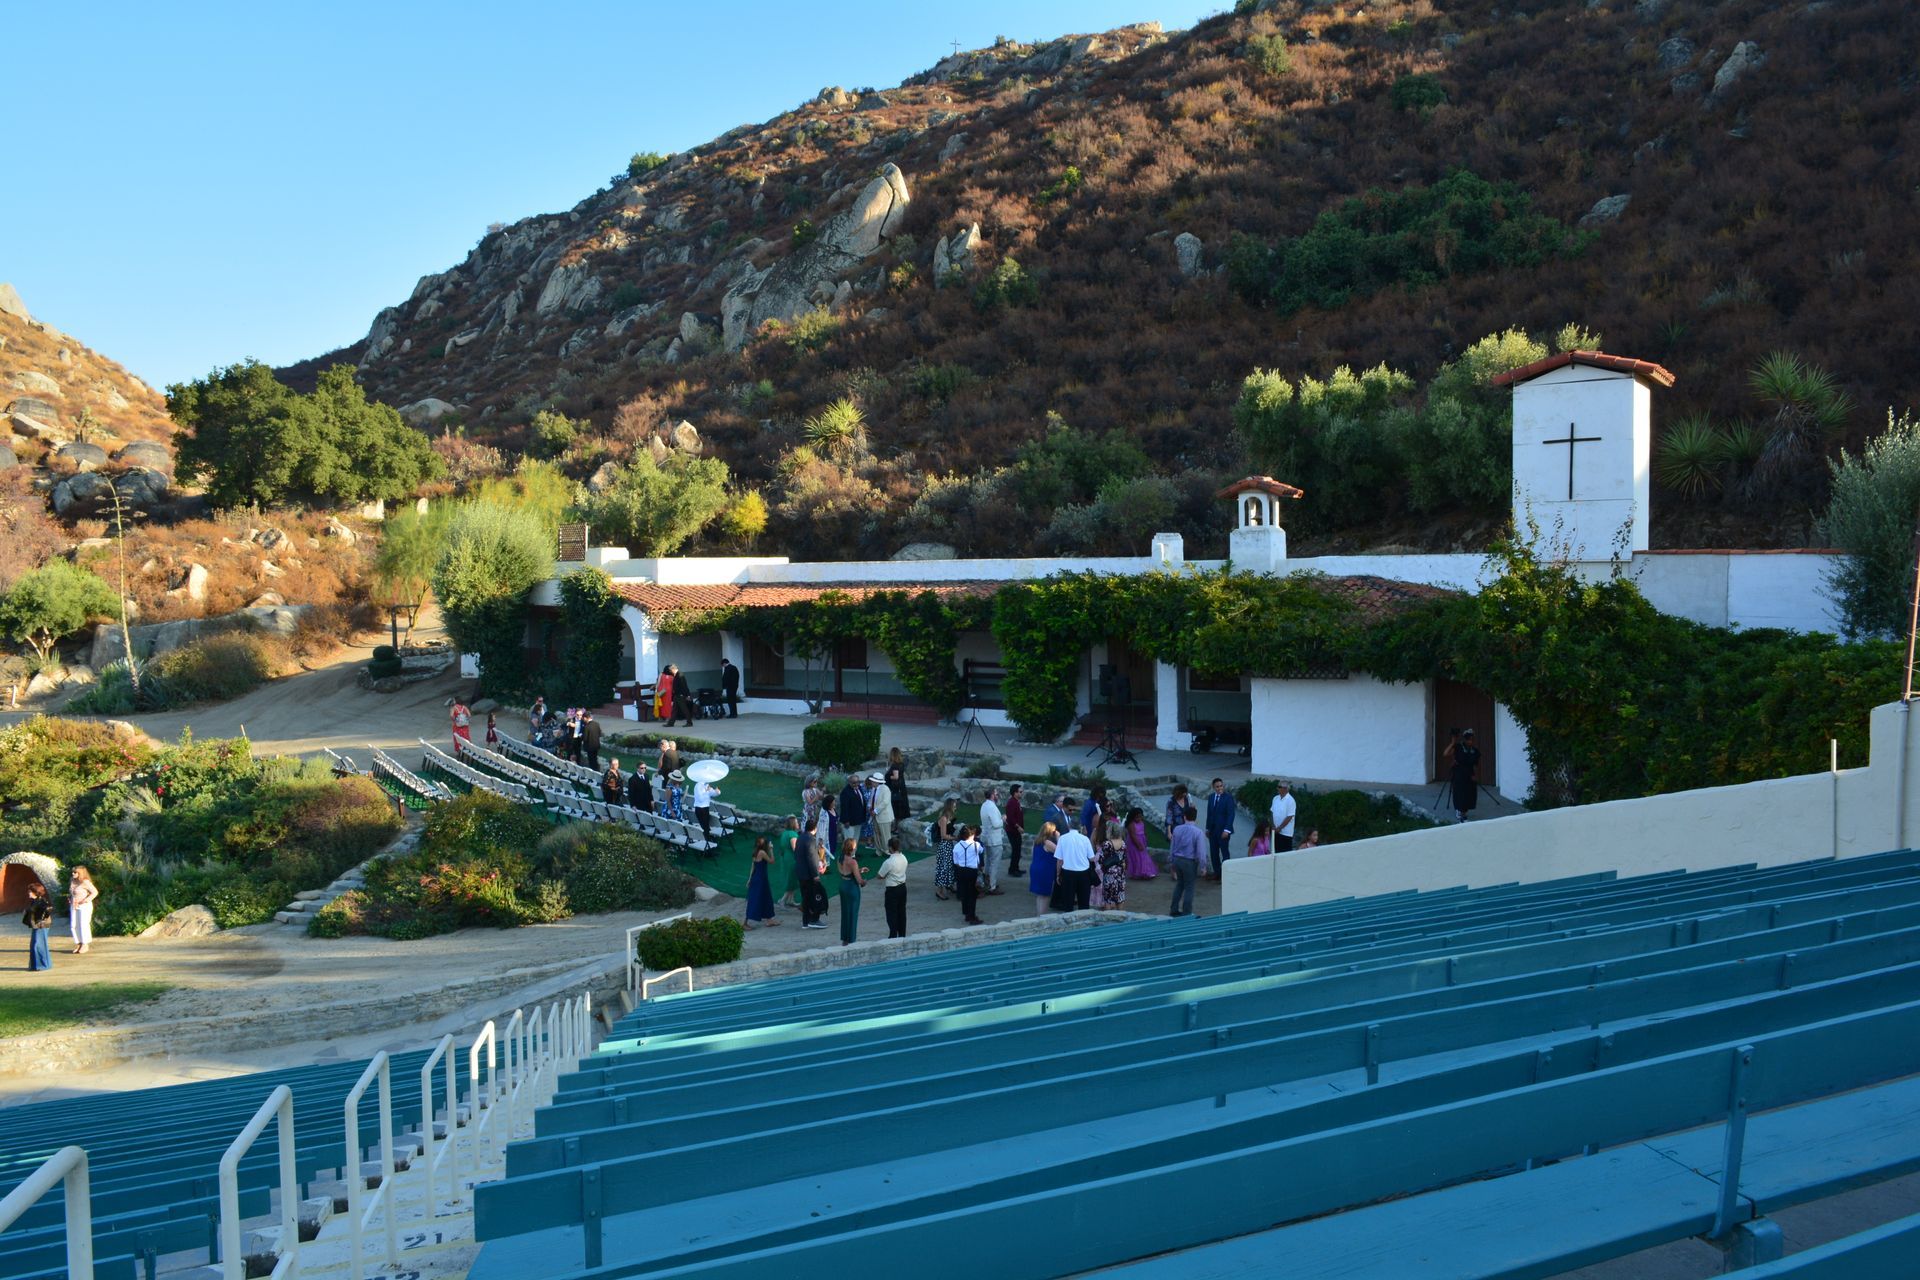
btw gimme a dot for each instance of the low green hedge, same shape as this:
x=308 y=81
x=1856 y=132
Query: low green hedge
x=841 y=744
x=1339 y=816
x=690 y=942
x=384 y=663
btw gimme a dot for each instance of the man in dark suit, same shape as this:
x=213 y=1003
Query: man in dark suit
x=682 y=697
x=1221 y=807
x=730 y=687
x=640 y=788
x=853 y=807
x=590 y=739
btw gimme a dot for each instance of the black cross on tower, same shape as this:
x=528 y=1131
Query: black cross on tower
x=1571 y=440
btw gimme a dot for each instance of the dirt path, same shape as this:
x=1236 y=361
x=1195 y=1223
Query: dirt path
x=299 y=714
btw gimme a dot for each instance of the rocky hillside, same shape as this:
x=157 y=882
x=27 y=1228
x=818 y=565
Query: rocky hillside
x=55 y=389
x=1045 y=229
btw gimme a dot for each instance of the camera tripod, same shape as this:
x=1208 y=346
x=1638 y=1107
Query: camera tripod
x=1114 y=741
x=974 y=726
x=1446 y=789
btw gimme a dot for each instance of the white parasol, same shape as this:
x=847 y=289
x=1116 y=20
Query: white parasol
x=708 y=771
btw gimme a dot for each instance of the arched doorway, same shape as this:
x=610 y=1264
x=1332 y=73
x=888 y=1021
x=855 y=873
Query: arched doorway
x=14 y=879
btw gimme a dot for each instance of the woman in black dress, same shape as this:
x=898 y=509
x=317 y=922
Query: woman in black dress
x=1465 y=775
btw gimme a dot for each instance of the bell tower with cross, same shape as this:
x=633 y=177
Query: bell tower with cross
x=1582 y=450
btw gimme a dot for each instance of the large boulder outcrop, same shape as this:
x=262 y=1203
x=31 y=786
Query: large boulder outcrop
x=572 y=287
x=82 y=455
x=32 y=406
x=195 y=921
x=808 y=277
x=87 y=491
x=422 y=412
x=150 y=454
x=10 y=303
x=954 y=255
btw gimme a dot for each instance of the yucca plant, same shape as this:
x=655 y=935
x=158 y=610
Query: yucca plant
x=1692 y=457
x=1809 y=409
x=840 y=424
x=1742 y=443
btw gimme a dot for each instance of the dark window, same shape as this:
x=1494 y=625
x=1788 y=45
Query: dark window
x=1212 y=684
x=766 y=669
x=850 y=653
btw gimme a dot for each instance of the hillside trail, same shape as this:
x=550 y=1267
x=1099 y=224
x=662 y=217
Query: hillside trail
x=297 y=715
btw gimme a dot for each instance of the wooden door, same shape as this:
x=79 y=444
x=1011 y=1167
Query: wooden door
x=1136 y=667
x=1461 y=706
x=849 y=654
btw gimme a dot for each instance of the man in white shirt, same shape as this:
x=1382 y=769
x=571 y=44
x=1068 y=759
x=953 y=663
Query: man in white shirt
x=1284 y=809
x=882 y=810
x=703 y=794
x=993 y=835
x=893 y=874
x=967 y=854
x=1075 y=853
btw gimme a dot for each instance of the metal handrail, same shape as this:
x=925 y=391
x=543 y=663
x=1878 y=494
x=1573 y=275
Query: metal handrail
x=68 y=1165
x=431 y=1150
x=481 y=1122
x=377 y=1069
x=233 y=1266
x=514 y=1040
x=633 y=931
x=647 y=984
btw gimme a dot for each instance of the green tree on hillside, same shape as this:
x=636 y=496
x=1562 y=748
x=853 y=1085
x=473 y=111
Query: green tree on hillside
x=491 y=557
x=1871 y=518
x=410 y=546
x=654 y=509
x=52 y=602
x=1329 y=435
x=253 y=441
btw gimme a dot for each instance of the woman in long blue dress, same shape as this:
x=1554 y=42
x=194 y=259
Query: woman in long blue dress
x=760 y=913
x=1043 y=868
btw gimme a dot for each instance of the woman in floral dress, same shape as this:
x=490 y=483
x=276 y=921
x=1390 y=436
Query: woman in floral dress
x=1113 y=867
x=943 y=837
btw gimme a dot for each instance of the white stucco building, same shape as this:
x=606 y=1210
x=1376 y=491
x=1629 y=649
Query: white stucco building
x=1582 y=449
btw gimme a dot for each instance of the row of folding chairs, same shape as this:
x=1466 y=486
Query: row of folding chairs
x=547 y=761
x=438 y=759
x=524 y=774
x=407 y=780
x=686 y=835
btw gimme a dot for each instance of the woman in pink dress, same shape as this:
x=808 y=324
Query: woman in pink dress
x=1140 y=863
x=1260 y=843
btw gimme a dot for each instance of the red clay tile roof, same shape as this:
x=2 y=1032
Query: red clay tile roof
x=1375 y=598
x=1595 y=359
x=1260 y=484
x=656 y=599
x=1380 y=598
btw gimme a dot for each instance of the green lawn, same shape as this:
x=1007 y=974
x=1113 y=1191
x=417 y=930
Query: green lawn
x=25 y=1010
x=728 y=869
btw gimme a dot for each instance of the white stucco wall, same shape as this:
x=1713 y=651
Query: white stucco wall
x=1512 y=770
x=1611 y=413
x=1780 y=820
x=1358 y=729
x=1742 y=588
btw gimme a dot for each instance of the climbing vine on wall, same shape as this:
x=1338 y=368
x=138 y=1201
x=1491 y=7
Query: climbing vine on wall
x=916 y=629
x=592 y=662
x=1618 y=699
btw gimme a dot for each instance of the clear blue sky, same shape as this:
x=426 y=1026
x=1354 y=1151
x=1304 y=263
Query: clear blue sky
x=196 y=183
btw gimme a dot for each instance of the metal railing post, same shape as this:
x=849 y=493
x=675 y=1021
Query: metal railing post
x=648 y=984
x=233 y=1265
x=474 y=1108
x=68 y=1165
x=633 y=931
x=431 y=1150
x=377 y=1069
x=1736 y=1141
